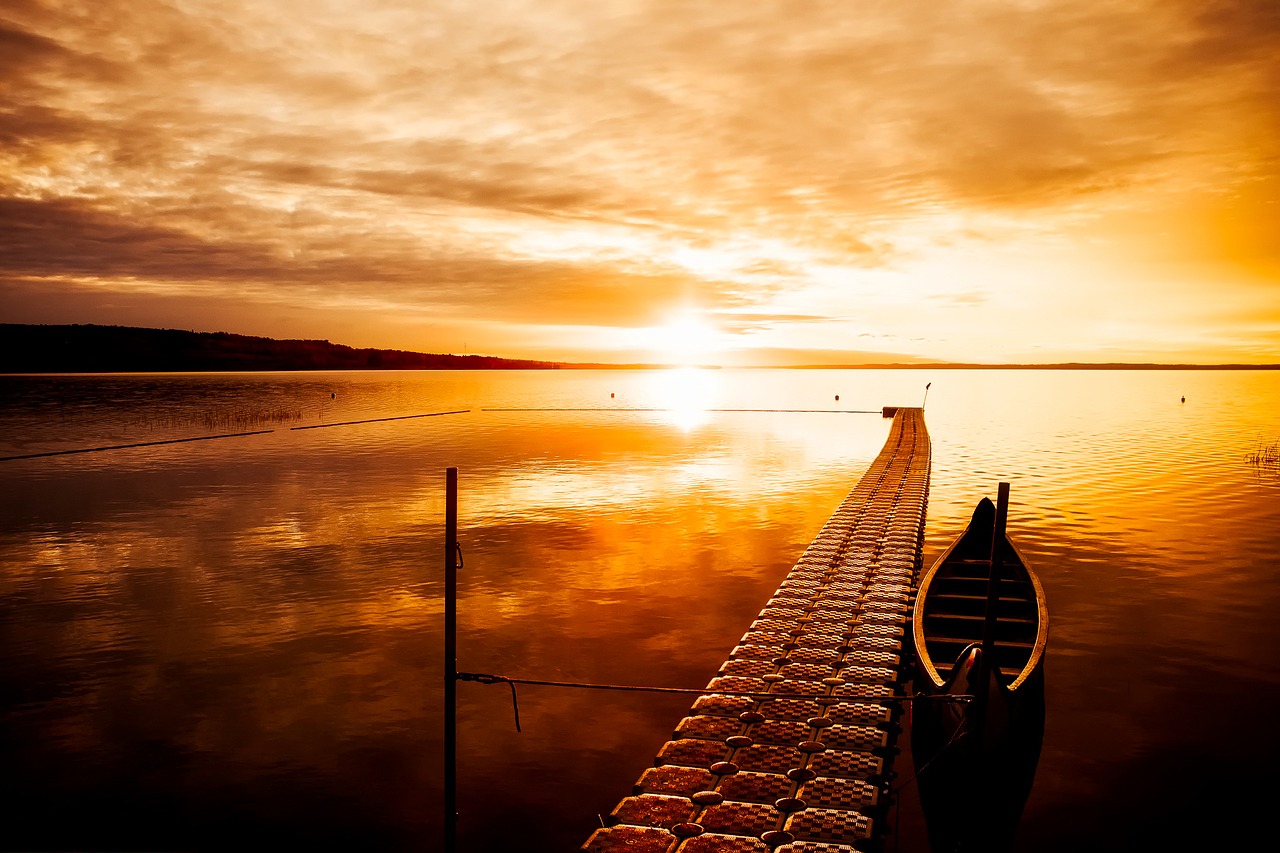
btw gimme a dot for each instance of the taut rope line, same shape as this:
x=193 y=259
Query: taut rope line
x=490 y=678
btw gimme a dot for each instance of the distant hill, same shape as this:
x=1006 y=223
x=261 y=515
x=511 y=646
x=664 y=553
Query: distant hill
x=126 y=349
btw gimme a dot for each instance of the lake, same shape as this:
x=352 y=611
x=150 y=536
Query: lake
x=237 y=641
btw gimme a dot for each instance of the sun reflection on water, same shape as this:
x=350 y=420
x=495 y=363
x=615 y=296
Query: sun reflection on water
x=685 y=394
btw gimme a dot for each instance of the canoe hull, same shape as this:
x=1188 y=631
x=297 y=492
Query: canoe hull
x=976 y=760
x=973 y=788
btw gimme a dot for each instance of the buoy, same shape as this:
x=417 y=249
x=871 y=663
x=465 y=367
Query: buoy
x=332 y=395
x=837 y=398
x=610 y=396
x=1184 y=399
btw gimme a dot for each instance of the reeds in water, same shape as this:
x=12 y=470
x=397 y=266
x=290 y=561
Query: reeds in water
x=240 y=419
x=1267 y=456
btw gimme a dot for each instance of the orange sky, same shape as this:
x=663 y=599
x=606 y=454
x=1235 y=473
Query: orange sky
x=678 y=180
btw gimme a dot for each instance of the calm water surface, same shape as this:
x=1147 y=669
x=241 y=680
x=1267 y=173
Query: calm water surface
x=218 y=642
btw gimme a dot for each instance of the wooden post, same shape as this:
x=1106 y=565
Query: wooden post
x=987 y=669
x=451 y=661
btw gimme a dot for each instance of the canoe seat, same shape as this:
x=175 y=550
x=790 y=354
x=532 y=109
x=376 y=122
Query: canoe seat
x=978 y=618
x=961 y=642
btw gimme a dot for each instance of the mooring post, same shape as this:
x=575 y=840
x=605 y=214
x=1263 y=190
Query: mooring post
x=451 y=661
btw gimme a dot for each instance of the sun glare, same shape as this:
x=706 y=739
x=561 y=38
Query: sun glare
x=685 y=394
x=686 y=341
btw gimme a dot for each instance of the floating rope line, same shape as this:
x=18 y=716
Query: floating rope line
x=136 y=444
x=219 y=435
x=489 y=678
x=377 y=420
x=631 y=409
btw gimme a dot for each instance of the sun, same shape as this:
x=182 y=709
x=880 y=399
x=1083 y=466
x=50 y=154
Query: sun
x=686 y=341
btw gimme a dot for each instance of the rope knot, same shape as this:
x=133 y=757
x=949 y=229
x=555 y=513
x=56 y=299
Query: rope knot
x=487 y=678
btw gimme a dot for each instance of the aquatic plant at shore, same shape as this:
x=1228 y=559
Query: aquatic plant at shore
x=227 y=419
x=1266 y=456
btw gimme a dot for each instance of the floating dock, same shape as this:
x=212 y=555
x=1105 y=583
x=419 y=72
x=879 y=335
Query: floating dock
x=792 y=747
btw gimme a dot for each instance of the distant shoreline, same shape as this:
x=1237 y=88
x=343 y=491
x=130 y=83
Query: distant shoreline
x=82 y=349
x=1066 y=365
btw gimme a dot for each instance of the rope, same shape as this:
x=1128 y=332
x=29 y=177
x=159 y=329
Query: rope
x=379 y=420
x=484 y=678
x=628 y=409
x=410 y=417
x=489 y=678
x=137 y=444
x=219 y=435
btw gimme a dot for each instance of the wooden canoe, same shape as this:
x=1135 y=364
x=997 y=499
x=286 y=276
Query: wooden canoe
x=976 y=757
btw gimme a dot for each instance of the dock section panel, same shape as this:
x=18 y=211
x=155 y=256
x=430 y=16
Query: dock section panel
x=791 y=748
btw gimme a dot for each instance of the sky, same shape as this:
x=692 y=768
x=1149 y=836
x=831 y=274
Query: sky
x=676 y=181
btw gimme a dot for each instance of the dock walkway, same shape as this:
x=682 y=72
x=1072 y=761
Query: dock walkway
x=791 y=747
